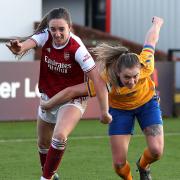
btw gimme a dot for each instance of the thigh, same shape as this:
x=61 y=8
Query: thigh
x=49 y=115
x=44 y=133
x=67 y=118
x=122 y=122
x=149 y=114
x=155 y=138
x=119 y=148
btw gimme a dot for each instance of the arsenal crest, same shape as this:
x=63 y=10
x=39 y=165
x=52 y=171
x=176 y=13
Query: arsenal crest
x=66 y=55
x=48 y=50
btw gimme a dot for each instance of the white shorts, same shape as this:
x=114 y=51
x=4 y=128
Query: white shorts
x=50 y=116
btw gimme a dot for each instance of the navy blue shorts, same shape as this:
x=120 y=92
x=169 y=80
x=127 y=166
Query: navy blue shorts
x=124 y=120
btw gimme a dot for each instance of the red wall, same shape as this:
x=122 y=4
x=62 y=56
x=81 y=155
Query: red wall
x=19 y=97
x=19 y=93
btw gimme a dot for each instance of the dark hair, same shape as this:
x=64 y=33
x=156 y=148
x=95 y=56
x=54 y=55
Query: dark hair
x=57 y=13
x=113 y=59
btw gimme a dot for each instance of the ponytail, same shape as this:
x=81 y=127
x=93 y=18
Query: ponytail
x=113 y=58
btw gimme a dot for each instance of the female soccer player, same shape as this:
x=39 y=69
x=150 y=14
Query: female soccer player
x=64 y=61
x=131 y=95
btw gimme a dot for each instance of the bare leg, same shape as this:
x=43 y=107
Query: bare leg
x=155 y=142
x=119 y=147
x=67 y=119
x=44 y=139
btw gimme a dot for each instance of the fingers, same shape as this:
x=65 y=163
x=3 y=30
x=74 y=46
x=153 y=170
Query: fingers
x=44 y=104
x=106 y=118
x=157 y=20
x=8 y=45
x=15 y=43
x=14 y=46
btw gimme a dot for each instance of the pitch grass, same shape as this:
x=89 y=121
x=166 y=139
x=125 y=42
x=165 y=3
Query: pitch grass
x=88 y=155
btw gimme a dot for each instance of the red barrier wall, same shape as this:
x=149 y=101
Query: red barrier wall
x=19 y=96
x=19 y=93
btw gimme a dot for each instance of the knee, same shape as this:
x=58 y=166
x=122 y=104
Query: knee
x=61 y=136
x=156 y=151
x=123 y=170
x=119 y=161
x=43 y=143
x=118 y=166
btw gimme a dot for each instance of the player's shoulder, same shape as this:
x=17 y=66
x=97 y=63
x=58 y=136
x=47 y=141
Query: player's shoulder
x=41 y=37
x=76 y=39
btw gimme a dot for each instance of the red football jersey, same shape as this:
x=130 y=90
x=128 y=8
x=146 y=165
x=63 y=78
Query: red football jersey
x=63 y=66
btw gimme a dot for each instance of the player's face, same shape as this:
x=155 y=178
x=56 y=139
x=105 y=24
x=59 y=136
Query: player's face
x=129 y=76
x=59 y=30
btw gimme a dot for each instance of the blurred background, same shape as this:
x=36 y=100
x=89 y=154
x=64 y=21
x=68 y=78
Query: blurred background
x=114 y=21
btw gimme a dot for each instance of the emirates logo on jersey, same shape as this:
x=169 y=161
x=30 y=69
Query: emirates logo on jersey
x=66 y=56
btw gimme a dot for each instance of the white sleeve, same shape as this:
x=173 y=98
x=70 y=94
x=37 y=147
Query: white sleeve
x=84 y=59
x=40 y=38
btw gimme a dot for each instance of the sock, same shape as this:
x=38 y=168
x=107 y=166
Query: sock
x=54 y=157
x=147 y=159
x=42 y=178
x=42 y=156
x=124 y=171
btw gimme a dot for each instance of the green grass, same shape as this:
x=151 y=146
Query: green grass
x=88 y=155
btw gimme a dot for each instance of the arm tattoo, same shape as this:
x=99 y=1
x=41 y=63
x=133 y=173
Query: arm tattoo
x=153 y=130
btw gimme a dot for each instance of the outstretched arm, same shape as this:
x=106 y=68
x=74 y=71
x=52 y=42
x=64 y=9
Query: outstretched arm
x=65 y=95
x=152 y=35
x=102 y=95
x=18 y=48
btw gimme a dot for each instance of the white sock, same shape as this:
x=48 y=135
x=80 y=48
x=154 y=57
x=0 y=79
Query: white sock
x=42 y=178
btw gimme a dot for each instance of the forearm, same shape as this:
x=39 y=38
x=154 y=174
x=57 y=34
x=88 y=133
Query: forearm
x=152 y=35
x=102 y=95
x=27 y=45
x=65 y=95
x=100 y=89
x=19 y=48
x=60 y=98
x=68 y=94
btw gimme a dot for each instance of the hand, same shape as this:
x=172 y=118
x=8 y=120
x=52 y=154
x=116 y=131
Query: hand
x=44 y=104
x=106 y=118
x=15 y=47
x=157 y=20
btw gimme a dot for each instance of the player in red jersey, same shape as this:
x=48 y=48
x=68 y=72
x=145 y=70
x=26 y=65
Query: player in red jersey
x=64 y=61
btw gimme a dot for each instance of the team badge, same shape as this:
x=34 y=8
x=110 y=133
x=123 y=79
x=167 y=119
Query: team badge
x=48 y=50
x=66 y=56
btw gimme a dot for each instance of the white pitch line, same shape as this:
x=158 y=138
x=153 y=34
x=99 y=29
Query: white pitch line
x=78 y=138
